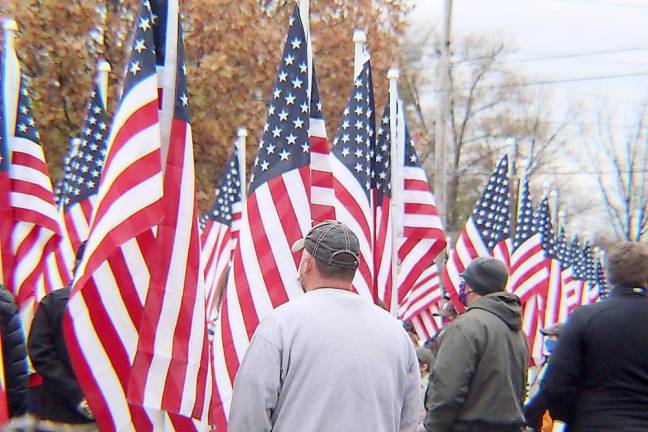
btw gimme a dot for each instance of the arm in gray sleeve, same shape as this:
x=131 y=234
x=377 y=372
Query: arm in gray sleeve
x=412 y=402
x=449 y=379
x=256 y=388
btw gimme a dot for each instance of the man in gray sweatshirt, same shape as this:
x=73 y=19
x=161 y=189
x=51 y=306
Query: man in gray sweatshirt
x=328 y=360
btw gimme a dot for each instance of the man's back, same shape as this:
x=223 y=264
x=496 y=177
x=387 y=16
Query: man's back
x=345 y=365
x=598 y=376
x=479 y=378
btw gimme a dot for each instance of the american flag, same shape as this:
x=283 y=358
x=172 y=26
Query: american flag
x=220 y=234
x=171 y=371
x=35 y=230
x=86 y=164
x=571 y=286
x=322 y=193
x=111 y=282
x=529 y=262
x=535 y=307
x=381 y=190
x=423 y=237
x=351 y=160
x=275 y=215
x=591 y=293
x=601 y=280
x=554 y=249
x=422 y=302
x=487 y=229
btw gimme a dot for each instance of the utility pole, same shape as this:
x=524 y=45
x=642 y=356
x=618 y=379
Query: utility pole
x=440 y=145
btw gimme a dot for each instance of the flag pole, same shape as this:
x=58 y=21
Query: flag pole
x=360 y=55
x=10 y=100
x=103 y=69
x=241 y=135
x=304 y=13
x=395 y=137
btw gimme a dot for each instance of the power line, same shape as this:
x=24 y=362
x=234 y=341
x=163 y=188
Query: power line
x=552 y=82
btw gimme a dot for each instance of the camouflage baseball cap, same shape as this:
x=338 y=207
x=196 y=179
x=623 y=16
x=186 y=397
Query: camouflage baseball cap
x=333 y=243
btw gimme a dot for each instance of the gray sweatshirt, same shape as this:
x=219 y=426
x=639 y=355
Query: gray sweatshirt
x=327 y=361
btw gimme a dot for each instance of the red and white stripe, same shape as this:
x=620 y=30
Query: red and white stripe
x=218 y=244
x=106 y=305
x=469 y=246
x=171 y=369
x=423 y=237
x=322 y=192
x=35 y=230
x=529 y=269
x=422 y=302
x=383 y=246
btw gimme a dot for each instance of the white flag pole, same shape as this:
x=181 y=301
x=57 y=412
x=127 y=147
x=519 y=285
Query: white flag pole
x=11 y=75
x=396 y=179
x=241 y=136
x=103 y=69
x=304 y=12
x=360 y=54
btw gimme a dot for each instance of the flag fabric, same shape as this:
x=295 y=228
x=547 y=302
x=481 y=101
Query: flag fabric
x=487 y=229
x=422 y=302
x=591 y=293
x=570 y=298
x=601 y=279
x=86 y=164
x=275 y=215
x=535 y=307
x=35 y=230
x=423 y=237
x=529 y=263
x=171 y=371
x=219 y=234
x=322 y=192
x=352 y=181
x=106 y=304
x=381 y=199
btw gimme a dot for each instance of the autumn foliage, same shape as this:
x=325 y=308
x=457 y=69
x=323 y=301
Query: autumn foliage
x=232 y=49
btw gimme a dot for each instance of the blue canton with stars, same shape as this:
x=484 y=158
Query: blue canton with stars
x=492 y=214
x=411 y=156
x=542 y=224
x=284 y=145
x=25 y=125
x=316 y=105
x=524 y=226
x=86 y=165
x=181 y=106
x=601 y=280
x=141 y=64
x=355 y=140
x=227 y=193
x=380 y=163
x=577 y=259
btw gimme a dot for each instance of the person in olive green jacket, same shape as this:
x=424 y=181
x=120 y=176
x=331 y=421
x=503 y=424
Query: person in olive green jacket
x=478 y=381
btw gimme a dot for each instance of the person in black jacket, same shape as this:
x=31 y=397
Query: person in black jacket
x=14 y=354
x=597 y=378
x=61 y=397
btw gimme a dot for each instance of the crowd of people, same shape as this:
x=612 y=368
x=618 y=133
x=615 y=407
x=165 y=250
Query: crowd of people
x=330 y=361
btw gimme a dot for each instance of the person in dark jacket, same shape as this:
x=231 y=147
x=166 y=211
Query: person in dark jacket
x=61 y=397
x=478 y=381
x=597 y=378
x=14 y=354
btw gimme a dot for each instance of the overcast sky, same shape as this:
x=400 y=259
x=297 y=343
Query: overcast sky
x=563 y=40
